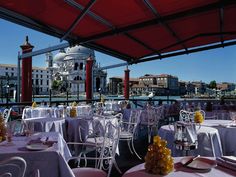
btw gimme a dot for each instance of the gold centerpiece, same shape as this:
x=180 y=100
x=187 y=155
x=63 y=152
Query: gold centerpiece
x=198 y=117
x=74 y=104
x=34 y=104
x=158 y=159
x=73 y=112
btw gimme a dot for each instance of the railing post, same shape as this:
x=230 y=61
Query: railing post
x=50 y=96
x=67 y=94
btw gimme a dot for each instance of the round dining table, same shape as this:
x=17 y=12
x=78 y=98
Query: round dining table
x=45 y=124
x=227 y=131
x=209 y=143
x=181 y=171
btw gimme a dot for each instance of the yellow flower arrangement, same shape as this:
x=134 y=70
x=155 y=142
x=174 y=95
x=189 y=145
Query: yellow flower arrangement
x=158 y=159
x=74 y=104
x=198 y=117
x=73 y=112
x=34 y=104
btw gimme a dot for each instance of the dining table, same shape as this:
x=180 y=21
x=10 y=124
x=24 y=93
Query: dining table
x=51 y=160
x=227 y=131
x=45 y=124
x=181 y=170
x=209 y=142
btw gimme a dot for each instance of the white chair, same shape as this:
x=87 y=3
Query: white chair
x=188 y=116
x=6 y=114
x=13 y=166
x=106 y=146
x=128 y=129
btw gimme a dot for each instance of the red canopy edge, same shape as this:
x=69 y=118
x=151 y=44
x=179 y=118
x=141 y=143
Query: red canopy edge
x=130 y=30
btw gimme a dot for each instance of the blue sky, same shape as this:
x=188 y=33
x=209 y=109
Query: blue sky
x=218 y=64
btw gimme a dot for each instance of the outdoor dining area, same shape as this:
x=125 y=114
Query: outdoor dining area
x=116 y=138
x=105 y=138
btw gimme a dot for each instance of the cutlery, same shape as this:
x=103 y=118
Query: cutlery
x=191 y=160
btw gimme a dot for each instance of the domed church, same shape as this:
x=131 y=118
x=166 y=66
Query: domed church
x=70 y=67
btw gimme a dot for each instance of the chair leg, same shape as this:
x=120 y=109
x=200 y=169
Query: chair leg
x=85 y=160
x=132 y=141
x=149 y=134
x=130 y=149
x=116 y=166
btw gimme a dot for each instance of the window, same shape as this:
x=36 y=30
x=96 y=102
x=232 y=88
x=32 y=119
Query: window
x=76 y=66
x=6 y=73
x=36 y=75
x=6 y=68
x=47 y=82
x=41 y=82
x=12 y=74
x=47 y=76
x=37 y=82
x=41 y=76
x=41 y=71
x=12 y=69
x=37 y=71
x=81 y=66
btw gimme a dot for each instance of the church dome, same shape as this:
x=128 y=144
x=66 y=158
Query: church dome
x=59 y=57
x=80 y=52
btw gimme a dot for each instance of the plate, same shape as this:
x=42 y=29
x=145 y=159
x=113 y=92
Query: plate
x=200 y=163
x=37 y=147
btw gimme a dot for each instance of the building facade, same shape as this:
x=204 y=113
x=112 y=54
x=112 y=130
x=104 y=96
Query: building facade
x=8 y=75
x=226 y=86
x=69 y=67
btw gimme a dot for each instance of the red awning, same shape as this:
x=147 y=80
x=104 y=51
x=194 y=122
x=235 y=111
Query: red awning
x=131 y=30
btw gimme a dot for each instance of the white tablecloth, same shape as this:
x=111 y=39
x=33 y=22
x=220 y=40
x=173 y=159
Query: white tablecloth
x=209 y=143
x=51 y=162
x=227 y=134
x=45 y=124
x=180 y=171
x=39 y=112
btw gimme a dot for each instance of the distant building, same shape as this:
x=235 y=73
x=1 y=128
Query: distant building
x=169 y=83
x=70 y=67
x=225 y=86
x=182 y=88
x=200 y=87
x=190 y=88
x=163 y=84
x=40 y=79
x=115 y=85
